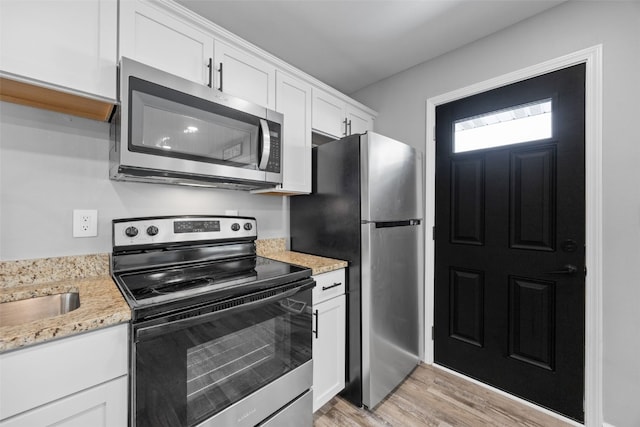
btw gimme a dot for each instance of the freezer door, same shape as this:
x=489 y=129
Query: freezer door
x=391 y=307
x=391 y=179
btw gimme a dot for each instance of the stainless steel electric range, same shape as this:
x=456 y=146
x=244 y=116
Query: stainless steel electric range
x=219 y=336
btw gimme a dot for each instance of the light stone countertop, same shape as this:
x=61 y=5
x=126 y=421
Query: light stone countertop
x=101 y=305
x=276 y=249
x=317 y=264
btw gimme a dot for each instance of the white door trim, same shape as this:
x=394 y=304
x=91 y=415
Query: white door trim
x=592 y=57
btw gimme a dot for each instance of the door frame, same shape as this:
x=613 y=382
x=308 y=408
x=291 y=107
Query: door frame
x=592 y=57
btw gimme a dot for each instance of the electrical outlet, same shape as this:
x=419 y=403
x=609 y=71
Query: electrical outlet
x=85 y=223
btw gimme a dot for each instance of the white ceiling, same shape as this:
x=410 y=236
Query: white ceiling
x=351 y=44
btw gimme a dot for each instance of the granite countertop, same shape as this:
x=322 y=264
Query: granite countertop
x=276 y=249
x=317 y=264
x=101 y=305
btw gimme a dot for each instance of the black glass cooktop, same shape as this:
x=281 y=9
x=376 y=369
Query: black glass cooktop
x=232 y=276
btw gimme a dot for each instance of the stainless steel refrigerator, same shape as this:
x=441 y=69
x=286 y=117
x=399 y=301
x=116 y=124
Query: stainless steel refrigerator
x=366 y=208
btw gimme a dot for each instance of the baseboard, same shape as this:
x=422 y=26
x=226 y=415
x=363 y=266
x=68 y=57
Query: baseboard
x=607 y=425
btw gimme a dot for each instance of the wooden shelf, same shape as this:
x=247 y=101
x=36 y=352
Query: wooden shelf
x=50 y=99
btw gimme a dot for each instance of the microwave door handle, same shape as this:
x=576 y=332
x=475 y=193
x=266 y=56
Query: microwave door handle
x=266 y=144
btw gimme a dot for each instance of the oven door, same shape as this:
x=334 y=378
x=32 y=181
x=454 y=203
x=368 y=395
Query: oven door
x=236 y=362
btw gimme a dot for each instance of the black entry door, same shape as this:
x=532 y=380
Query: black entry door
x=509 y=240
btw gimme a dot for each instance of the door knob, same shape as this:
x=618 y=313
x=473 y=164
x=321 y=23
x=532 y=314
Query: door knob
x=567 y=269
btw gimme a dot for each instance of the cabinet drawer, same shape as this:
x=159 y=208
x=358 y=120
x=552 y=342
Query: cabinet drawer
x=328 y=285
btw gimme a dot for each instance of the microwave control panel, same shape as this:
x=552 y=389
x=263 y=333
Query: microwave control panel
x=273 y=165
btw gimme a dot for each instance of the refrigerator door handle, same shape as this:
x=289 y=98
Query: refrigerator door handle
x=402 y=223
x=409 y=222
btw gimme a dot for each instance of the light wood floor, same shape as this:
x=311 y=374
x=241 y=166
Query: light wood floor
x=433 y=397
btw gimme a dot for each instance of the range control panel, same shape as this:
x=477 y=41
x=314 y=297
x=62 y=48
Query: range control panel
x=176 y=229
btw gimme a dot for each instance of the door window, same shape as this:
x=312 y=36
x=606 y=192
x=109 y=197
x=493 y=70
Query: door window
x=513 y=125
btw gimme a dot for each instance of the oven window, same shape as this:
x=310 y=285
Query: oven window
x=228 y=368
x=184 y=377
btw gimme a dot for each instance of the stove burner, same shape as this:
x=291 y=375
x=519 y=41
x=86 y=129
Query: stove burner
x=163 y=282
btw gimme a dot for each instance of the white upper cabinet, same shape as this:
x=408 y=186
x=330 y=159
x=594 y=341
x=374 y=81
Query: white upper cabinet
x=293 y=100
x=157 y=36
x=165 y=35
x=154 y=37
x=358 y=121
x=244 y=75
x=65 y=44
x=335 y=117
x=328 y=114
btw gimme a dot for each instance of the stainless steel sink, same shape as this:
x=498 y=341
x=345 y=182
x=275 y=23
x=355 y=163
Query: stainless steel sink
x=27 y=310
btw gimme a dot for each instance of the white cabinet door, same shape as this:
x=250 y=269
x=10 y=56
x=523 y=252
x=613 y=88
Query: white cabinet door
x=358 y=121
x=329 y=350
x=68 y=44
x=293 y=100
x=164 y=41
x=328 y=114
x=333 y=116
x=43 y=373
x=246 y=76
x=104 y=405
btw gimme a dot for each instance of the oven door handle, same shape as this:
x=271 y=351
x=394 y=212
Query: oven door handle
x=150 y=332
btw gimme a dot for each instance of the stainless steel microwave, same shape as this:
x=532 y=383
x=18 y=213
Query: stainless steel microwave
x=171 y=130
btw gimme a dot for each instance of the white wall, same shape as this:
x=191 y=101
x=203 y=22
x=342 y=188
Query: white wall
x=572 y=26
x=53 y=163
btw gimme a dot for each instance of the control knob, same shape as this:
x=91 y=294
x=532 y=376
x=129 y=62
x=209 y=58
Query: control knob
x=248 y=226
x=131 y=231
x=235 y=226
x=152 y=230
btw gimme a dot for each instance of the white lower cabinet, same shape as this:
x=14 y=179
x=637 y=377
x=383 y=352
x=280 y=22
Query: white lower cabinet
x=75 y=381
x=329 y=334
x=99 y=406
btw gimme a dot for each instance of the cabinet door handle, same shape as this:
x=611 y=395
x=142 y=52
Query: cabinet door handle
x=210 y=67
x=315 y=313
x=324 y=288
x=345 y=127
x=349 y=127
x=220 y=71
